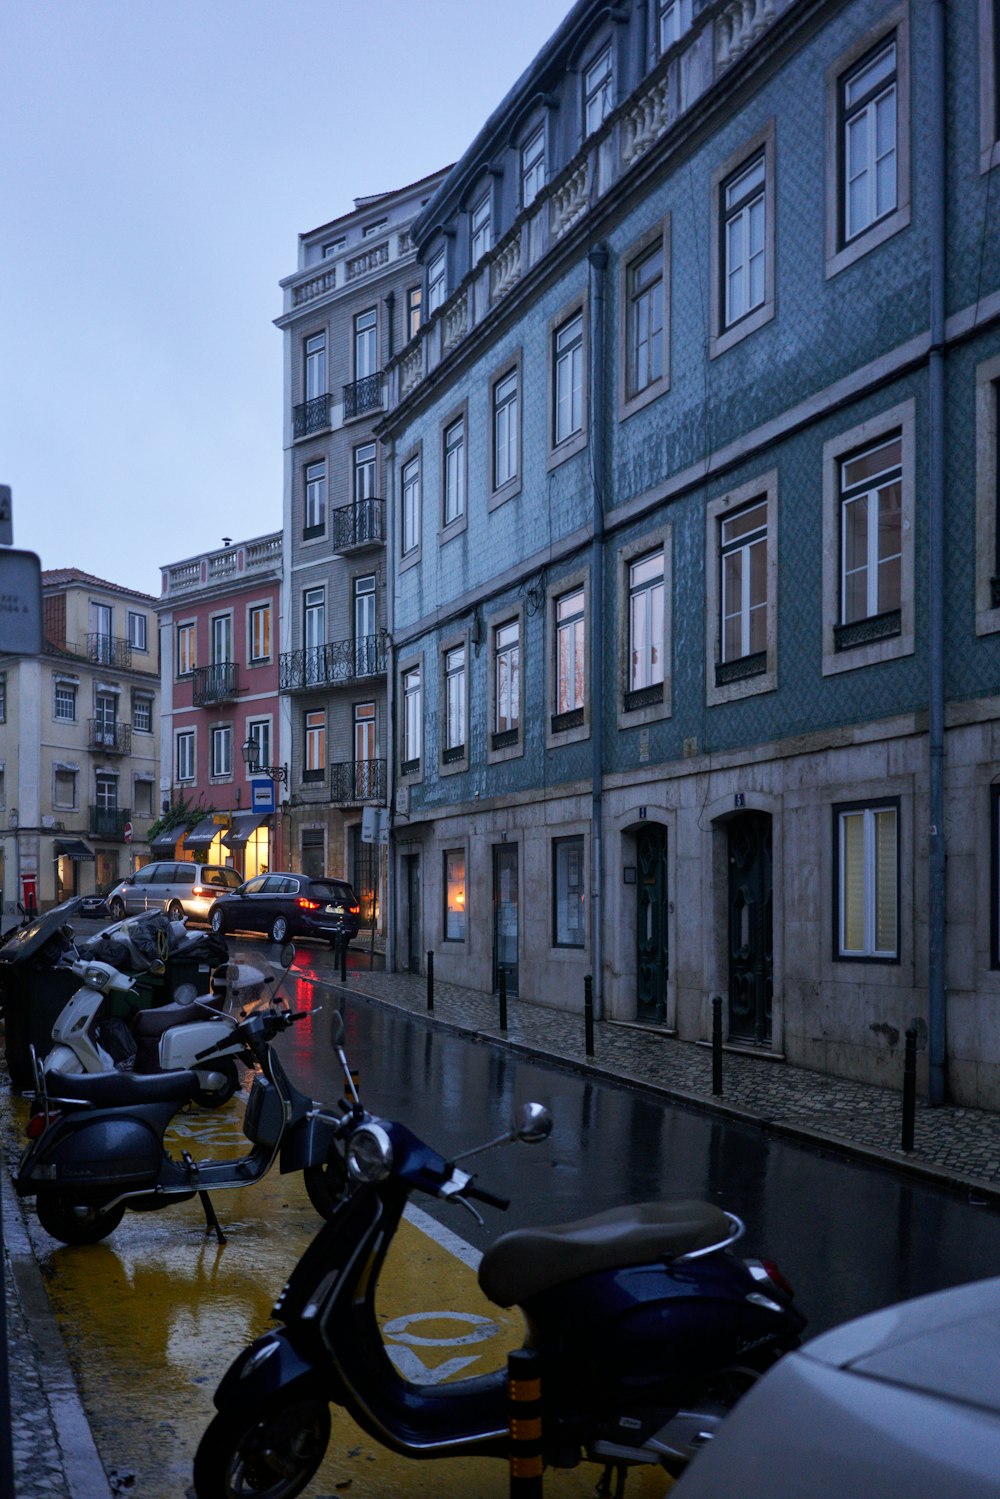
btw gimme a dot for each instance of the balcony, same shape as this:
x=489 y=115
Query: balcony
x=358 y=781
x=110 y=737
x=364 y=395
x=311 y=416
x=109 y=823
x=215 y=684
x=106 y=650
x=338 y=664
x=359 y=526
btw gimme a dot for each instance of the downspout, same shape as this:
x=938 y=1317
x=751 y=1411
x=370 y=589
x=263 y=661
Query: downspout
x=390 y=705
x=598 y=258
x=937 y=230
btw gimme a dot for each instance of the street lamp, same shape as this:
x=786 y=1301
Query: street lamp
x=251 y=759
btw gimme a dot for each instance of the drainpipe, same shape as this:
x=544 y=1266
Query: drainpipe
x=389 y=471
x=598 y=258
x=937 y=231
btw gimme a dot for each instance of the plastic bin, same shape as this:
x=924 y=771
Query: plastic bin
x=32 y=1001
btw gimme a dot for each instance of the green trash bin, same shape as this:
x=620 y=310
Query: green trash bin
x=32 y=1001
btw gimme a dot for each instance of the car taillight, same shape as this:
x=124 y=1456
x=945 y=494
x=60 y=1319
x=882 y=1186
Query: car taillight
x=305 y=904
x=199 y=890
x=354 y=910
x=38 y=1124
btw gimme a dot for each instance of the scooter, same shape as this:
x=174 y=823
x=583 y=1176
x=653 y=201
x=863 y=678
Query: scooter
x=96 y=1144
x=646 y=1327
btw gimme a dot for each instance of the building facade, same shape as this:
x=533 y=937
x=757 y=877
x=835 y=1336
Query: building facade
x=696 y=626
x=354 y=300
x=79 y=742
x=219 y=617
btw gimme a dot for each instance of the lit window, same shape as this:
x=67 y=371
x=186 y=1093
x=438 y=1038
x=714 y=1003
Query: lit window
x=260 y=632
x=413 y=299
x=454 y=895
x=185 y=650
x=314 y=762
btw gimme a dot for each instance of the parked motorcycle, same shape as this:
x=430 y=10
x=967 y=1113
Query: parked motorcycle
x=96 y=1145
x=648 y=1329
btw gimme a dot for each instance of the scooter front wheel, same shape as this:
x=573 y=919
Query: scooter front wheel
x=209 y=1098
x=77 y=1222
x=326 y=1184
x=268 y=1453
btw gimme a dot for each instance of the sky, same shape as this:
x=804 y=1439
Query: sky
x=158 y=159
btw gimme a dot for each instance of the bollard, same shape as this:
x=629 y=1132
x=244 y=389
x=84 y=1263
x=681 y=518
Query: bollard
x=502 y=986
x=430 y=981
x=588 y=1014
x=524 y=1410
x=909 y=1088
x=343 y=958
x=717 y=1045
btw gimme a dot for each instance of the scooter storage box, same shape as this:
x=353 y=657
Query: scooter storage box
x=105 y=1150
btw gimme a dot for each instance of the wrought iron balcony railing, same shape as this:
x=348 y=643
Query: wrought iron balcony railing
x=109 y=822
x=363 y=395
x=113 y=737
x=215 y=684
x=359 y=525
x=107 y=650
x=339 y=662
x=358 y=781
x=311 y=416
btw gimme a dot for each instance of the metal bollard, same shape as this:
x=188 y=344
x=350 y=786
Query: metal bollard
x=502 y=988
x=524 y=1407
x=588 y=1014
x=909 y=1088
x=430 y=981
x=717 y=1045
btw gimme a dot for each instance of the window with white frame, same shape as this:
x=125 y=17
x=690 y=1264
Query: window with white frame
x=365 y=344
x=3 y=784
x=868 y=103
x=871 y=531
x=185 y=649
x=185 y=755
x=222 y=751
x=413 y=718
x=314 y=745
x=65 y=702
x=3 y=697
x=365 y=473
x=106 y=718
x=334 y=247
x=743 y=581
x=506 y=430
x=645 y=326
x=645 y=613
x=454 y=701
x=598 y=91
x=571 y=647
x=106 y=792
x=314 y=517
x=481 y=225
x=436 y=282
x=142 y=714
x=314 y=351
x=137 y=630
x=410 y=506
x=221 y=635
x=568 y=893
x=259 y=730
x=532 y=166
x=260 y=633
x=314 y=633
x=507 y=678
x=673 y=20
x=414 y=297
x=567 y=393
x=454 y=471
x=454 y=895
x=370 y=230
x=744 y=231
x=64 y=789
x=867 y=850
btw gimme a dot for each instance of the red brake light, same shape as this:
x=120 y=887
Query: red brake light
x=38 y=1124
x=200 y=890
x=776 y=1275
x=354 y=910
x=305 y=904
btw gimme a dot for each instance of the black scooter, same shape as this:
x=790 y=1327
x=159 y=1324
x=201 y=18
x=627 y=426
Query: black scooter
x=647 y=1329
x=97 y=1140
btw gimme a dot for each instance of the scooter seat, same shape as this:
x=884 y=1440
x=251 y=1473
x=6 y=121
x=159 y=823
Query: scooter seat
x=111 y=1089
x=152 y=1023
x=527 y=1261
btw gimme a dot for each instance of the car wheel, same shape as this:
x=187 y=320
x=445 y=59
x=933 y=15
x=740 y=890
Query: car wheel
x=175 y=911
x=218 y=923
x=117 y=909
x=279 y=929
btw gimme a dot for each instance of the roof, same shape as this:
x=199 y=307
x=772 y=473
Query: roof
x=64 y=577
x=366 y=204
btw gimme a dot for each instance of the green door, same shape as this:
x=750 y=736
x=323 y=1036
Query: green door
x=751 y=958
x=651 y=925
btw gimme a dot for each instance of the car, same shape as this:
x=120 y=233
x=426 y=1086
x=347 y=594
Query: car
x=283 y=904
x=902 y=1401
x=184 y=891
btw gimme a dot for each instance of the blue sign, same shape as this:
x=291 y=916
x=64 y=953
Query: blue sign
x=262 y=795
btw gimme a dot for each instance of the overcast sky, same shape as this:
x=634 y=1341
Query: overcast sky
x=158 y=159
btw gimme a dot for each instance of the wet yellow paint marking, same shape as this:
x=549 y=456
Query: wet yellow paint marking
x=153 y=1317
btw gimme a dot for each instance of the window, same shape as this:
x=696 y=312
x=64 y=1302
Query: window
x=871 y=531
x=454 y=895
x=3 y=783
x=454 y=703
x=412 y=720
x=365 y=638
x=506 y=430
x=598 y=91
x=222 y=751
x=102 y=647
x=740 y=594
x=185 y=755
x=65 y=702
x=867 y=884
x=334 y=246
x=507 y=678
x=259 y=730
x=365 y=344
x=481 y=228
x=106 y=718
x=645 y=346
x=222 y=639
x=64 y=790
x=868 y=141
x=136 y=625
x=314 y=633
x=674 y=20
x=365 y=473
x=568 y=896
x=143 y=795
x=410 y=482
x=645 y=631
x=567 y=386
x=185 y=650
x=989 y=84
x=743 y=581
x=987 y=443
x=142 y=715
x=3 y=697
x=314 y=763
x=315 y=366
x=436 y=282
x=743 y=231
x=454 y=471
x=372 y=229
x=532 y=166
x=314 y=521
x=106 y=793
x=570 y=654
x=260 y=633
x=413 y=299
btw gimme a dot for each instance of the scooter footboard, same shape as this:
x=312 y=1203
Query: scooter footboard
x=308 y=1143
x=268 y=1366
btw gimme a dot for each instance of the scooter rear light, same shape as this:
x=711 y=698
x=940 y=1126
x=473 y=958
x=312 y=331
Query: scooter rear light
x=305 y=904
x=761 y=1269
x=38 y=1124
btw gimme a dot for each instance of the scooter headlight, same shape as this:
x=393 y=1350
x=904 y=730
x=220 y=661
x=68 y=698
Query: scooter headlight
x=369 y=1154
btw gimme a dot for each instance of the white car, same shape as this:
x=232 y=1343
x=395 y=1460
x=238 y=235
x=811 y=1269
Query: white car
x=901 y=1404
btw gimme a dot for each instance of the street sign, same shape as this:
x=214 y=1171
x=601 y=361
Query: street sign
x=262 y=794
x=369 y=825
x=20 y=604
x=6 y=516
x=127 y=832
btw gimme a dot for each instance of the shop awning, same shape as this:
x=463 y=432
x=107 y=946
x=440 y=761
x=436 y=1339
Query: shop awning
x=202 y=836
x=167 y=840
x=72 y=848
x=244 y=823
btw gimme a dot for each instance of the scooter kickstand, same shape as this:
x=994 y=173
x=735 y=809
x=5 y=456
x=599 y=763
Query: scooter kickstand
x=211 y=1221
x=603 y=1489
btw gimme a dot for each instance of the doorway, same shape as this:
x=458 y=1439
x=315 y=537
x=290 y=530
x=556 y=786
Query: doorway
x=411 y=884
x=505 y=915
x=651 y=924
x=751 y=948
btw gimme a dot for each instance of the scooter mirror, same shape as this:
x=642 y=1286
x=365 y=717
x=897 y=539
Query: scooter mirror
x=287 y=955
x=532 y=1123
x=336 y=1029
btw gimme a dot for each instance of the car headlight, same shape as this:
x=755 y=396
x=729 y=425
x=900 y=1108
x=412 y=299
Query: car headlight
x=369 y=1154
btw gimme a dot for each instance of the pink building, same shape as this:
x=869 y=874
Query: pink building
x=221 y=784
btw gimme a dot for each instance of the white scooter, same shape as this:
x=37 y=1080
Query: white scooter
x=167 y=1038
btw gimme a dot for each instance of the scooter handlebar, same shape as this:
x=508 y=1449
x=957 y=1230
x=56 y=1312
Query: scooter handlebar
x=503 y=1203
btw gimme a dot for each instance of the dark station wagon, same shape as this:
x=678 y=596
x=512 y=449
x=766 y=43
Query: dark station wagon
x=281 y=905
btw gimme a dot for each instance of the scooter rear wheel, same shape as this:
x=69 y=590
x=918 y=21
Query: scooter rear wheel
x=268 y=1453
x=325 y=1185
x=207 y=1098
x=76 y=1222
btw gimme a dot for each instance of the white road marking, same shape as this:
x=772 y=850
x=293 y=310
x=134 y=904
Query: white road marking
x=443 y=1236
